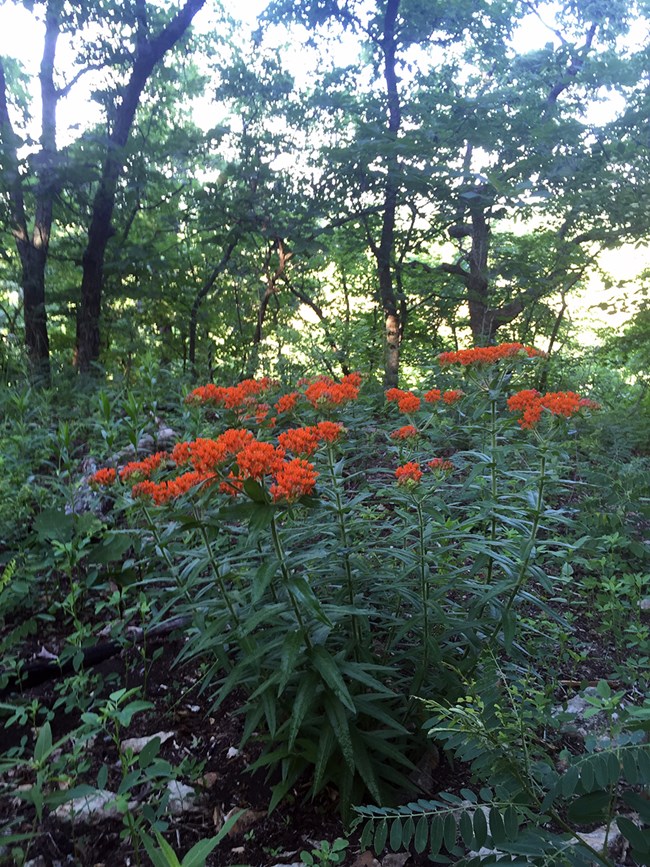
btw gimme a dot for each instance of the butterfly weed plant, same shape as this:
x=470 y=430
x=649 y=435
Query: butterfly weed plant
x=340 y=553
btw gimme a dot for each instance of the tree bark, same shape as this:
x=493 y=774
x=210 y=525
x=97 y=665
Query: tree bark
x=200 y=296
x=149 y=52
x=384 y=251
x=481 y=322
x=33 y=247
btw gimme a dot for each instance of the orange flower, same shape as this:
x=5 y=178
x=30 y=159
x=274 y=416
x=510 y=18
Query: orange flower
x=408 y=474
x=488 y=354
x=407 y=432
x=143 y=468
x=433 y=396
x=440 y=465
x=300 y=440
x=294 y=480
x=324 y=391
x=257 y=460
x=453 y=395
x=287 y=402
x=531 y=404
x=329 y=431
x=406 y=401
x=233 y=397
x=105 y=476
x=159 y=493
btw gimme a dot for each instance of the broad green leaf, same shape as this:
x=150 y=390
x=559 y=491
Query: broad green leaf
x=395 y=838
x=449 y=831
x=480 y=828
x=381 y=834
x=43 y=746
x=421 y=834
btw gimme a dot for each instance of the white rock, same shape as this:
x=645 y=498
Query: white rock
x=232 y=753
x=181 y=797
x=101 y=804
x=138 y=744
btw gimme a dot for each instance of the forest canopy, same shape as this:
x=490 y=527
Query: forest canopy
x=351 y=184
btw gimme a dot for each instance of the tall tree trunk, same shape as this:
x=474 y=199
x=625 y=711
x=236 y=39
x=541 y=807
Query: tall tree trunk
x=33 y=247
x=481 y=323
x=149 y=52
x=384 y=251
x=200 y=296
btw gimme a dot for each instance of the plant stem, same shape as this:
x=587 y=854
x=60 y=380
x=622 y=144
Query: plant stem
x=217 y=573
x=164 y=553
x=346 y=551
x=279 y=550
x=494 y=488
x=523 y=569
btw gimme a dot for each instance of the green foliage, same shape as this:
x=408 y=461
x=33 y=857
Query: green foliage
x=494 y=728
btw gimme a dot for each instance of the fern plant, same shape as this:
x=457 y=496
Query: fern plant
x=532 y=800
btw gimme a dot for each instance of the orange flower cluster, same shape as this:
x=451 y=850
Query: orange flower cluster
x=406 y=401
x=440 y=465
x=324 y=391
x=531 y=404
x=143 y=468
x=163 y=492
x=257 y=460
x=453 y=395
x=329 y=431
x=408 y=473
x=488 y=354
x=294 y=480
x=408 y=432
x=205 y=455
x=287 y=402
x=105 y=476
x=300 y=440
x=305 y=440
x=433 y=396
x=233 y=397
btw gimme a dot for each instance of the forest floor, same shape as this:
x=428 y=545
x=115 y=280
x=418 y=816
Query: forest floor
x=203 y=743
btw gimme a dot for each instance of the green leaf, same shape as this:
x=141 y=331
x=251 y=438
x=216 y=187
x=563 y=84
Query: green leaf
x=587 y=776
x=480 y=828
x=449 y=832
x=381 y=833
x=149 y=752
x=261 y=518
x=339 y=722
x=639 y=838
x=54 y=524
x=43 y=746
x=437 y=833
x=303 y=701
x=328 y=669
x=396 y=835
x=292 y=646
x=630 y=770
x=195 y=857
x=366 y=835
x=257 y=494
x=408 y=831
x=511 y=823
x=466 y=829
x=421 y=834
x=102 y=777
x=593 y=807
x=509 y=625
x=497 y=828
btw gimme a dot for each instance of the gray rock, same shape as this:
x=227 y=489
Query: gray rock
x=181 y=797
x=101 y=804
